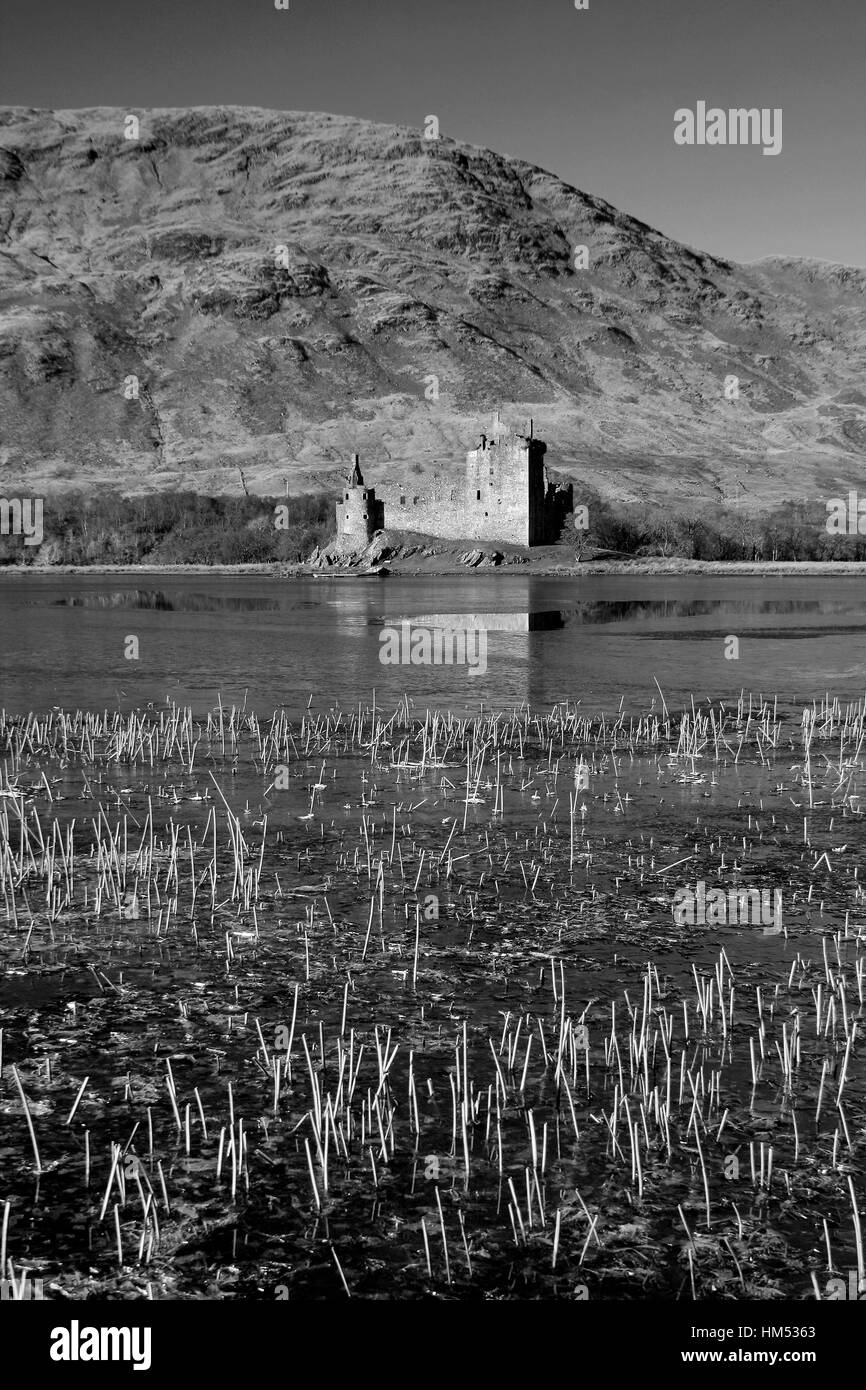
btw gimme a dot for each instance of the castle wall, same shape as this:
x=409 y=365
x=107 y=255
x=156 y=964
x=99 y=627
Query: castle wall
x=458 y=516
x=505 y=495
x=436 y=509
x=491 y=504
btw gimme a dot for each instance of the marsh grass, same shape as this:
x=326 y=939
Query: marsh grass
x=241 y=1051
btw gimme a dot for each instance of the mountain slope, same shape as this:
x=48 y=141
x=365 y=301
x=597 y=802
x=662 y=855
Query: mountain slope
x=402 y=260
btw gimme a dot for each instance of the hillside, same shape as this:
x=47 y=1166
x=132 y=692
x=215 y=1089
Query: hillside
x=404 y=259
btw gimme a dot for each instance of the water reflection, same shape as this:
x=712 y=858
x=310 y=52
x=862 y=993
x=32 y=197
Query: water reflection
x=156 y=600
x=594 y=639
x=625 y=610
x=545 y=621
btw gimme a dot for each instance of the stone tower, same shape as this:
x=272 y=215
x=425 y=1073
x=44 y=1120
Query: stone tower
x=359 y=514
x=505 y=488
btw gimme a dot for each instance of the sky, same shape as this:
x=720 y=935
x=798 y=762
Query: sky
x=589 y=94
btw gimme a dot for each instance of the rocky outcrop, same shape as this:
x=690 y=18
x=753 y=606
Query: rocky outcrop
x=482 y=559
x=339 y=554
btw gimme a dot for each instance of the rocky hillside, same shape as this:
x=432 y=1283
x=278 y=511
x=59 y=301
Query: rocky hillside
x=288 y=287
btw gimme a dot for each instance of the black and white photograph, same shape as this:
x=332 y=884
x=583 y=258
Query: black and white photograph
x=432 y=677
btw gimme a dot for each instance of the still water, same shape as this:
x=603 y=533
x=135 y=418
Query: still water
x=599 y=640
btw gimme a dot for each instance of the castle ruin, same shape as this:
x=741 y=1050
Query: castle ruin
x=505 y=495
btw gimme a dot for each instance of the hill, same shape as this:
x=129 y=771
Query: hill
x=407 y=267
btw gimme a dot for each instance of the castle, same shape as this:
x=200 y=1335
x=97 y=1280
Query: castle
x=505 y=495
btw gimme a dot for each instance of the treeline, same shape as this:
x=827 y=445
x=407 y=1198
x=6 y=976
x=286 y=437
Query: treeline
x=792 y=531
x=175 y=528
x=187 y=528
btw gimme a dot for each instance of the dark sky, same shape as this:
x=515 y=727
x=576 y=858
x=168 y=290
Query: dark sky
x=588 y=94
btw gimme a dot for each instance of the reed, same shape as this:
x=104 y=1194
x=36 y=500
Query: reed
x=521 y=1101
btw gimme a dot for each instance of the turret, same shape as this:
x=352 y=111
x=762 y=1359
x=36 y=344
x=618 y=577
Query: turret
x=359 y=514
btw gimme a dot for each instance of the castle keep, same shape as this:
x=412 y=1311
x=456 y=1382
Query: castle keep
x=505 y=495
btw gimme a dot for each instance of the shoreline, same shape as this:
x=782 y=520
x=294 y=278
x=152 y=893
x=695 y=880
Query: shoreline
x=662 y=568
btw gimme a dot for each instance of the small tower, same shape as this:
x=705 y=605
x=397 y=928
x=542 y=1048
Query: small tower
x=359 y=514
